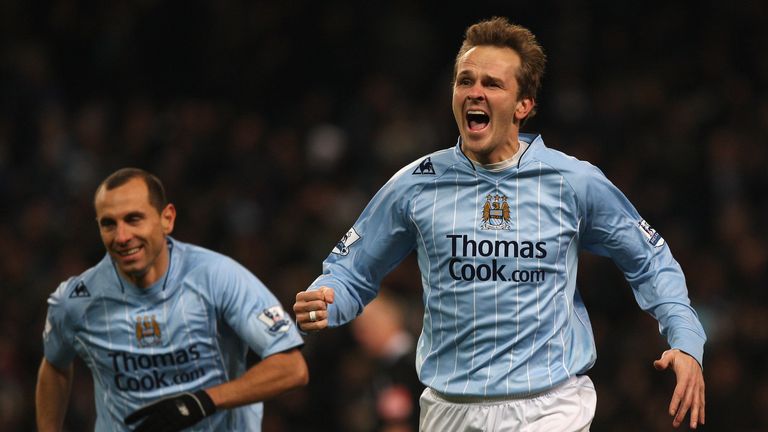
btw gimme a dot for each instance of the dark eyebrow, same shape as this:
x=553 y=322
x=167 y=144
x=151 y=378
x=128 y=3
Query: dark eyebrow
x=492 y=79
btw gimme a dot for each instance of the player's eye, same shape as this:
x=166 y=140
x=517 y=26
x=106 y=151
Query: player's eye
x=133 y=218
x=106 y=223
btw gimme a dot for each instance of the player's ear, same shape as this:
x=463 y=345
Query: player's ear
x=523 y=108
x=168 y=218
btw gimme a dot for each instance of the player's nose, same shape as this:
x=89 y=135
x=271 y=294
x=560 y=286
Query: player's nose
x=122 y=233
x=475 y=93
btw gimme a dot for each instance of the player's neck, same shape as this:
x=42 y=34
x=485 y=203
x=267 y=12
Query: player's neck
x=504 y=163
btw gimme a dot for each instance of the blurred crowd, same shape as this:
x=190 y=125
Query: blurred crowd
x=272 y=124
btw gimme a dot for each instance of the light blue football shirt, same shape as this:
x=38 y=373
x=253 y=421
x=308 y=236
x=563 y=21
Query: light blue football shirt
x=190 y=330
x=498 y=254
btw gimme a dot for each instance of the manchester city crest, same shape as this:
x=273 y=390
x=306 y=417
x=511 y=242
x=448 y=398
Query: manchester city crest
x=148 y=331
x=496 y=213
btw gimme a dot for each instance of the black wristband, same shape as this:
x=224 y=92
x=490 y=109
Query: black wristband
x=206 y=402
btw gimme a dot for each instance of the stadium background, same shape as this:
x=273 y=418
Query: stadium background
x=272 y=123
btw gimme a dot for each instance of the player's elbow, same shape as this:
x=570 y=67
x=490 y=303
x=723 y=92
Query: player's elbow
x=294 y=372
x=300 y=374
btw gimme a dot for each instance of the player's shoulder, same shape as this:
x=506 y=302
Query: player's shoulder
x=211 y=274
x=78 y=291
x=427 y=168
x=558 y=159
x=196 y=259
x=576 y=171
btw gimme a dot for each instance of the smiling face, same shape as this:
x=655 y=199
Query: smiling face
x=486 y=105
x=133 y=231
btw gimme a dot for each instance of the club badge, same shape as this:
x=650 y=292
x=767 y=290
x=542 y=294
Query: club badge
x=496 y=213
x=148 y=331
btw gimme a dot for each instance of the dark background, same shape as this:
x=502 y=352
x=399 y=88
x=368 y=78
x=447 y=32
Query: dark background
x=273 y=122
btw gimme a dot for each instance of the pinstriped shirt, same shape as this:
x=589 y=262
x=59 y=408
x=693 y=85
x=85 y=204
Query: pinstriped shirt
x=498 y=255
x=190 y=330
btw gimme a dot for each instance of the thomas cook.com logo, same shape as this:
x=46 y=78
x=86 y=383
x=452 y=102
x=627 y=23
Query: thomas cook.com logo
x=160 y=368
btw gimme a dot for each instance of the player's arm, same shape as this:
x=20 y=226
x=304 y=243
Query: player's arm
x=54 y=378
x=256 y=315
x=379 y=240
x=273 y=375
x=52 y=396
x=270 y=377
x=616 y=229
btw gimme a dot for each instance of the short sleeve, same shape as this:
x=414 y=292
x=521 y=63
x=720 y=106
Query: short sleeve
x=253 y=311
x=58 y=334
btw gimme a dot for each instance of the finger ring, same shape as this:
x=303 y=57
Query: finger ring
x=312 y=316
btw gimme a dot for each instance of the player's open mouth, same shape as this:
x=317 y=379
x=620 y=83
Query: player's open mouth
x=477 y=120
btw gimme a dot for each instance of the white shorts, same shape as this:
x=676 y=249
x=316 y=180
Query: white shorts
x=569 y=407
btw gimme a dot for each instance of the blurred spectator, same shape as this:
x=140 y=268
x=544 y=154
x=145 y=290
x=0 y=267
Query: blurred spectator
x=386 y=396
